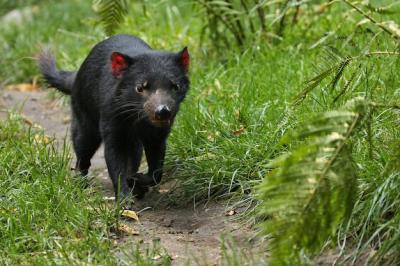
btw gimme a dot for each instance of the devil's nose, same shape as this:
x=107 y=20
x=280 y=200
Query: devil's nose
x=163 y=112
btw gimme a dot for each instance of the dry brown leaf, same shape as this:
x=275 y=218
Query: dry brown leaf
x=230 y=213
x=42 y=139
x=127 y=229
x=130 y=214
x=66 y=119
x=27 y=121
x=239 y=131
x=23 y=87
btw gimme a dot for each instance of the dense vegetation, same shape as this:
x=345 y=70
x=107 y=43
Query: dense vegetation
x=293 y=111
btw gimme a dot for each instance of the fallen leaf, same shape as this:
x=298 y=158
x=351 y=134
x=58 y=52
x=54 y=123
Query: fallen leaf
x=127 y=229
x=239 y=131
x=42 y=139
x=106 y=198
x=66 y=119
x=27 y=121
x=37 y=126
x=23 y=87
x=130 y=214
x=230 y=213
x=184 y=239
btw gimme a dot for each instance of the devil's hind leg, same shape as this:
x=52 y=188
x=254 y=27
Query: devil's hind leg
x=86 y=140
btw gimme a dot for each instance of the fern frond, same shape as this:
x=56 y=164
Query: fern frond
x=333 y=65
x=347 y=85
x=394 y=33
x=111 y=13
x=312 y=188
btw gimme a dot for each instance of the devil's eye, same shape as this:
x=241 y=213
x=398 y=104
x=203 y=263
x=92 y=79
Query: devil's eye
x=139 y=88
x=175 y=87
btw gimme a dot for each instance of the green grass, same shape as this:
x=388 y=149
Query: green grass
x=43 y=209
x=54 y=24
x=47 y=217
x=241 y=101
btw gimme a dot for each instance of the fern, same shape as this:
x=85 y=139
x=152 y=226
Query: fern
x=312 y=188
x=335 y=68
x=111 y=13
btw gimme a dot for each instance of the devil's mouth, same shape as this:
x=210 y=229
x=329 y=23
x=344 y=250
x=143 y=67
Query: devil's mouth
x=161 y=123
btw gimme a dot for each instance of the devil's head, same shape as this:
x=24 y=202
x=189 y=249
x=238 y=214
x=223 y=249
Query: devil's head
x=150 y=86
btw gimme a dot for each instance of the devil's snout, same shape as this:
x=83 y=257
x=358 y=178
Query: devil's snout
x=163 y=112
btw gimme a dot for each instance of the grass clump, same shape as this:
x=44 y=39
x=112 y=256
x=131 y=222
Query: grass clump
x=46 y=216
x=45 y=213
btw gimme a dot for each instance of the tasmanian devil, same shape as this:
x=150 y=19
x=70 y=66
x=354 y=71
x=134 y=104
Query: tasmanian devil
x=126 y=95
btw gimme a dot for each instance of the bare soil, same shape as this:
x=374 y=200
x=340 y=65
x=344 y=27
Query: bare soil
x=185 y=232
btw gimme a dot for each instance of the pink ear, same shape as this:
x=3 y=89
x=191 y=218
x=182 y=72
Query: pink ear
x=119 y=62
x=185 y=59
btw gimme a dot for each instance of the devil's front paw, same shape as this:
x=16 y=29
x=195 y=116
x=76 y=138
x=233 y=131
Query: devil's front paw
x=135 y=184
x=133 y=181
x=139 y=179
x=144 y=180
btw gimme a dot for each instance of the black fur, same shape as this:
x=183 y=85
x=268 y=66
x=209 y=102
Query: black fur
x=62 y=80
x=128 y=111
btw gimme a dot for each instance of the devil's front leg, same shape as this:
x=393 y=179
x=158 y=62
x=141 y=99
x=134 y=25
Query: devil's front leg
x=155 y=153
x=119 y=165
x=135 y=157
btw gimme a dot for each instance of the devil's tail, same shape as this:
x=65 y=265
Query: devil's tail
x=59 y=79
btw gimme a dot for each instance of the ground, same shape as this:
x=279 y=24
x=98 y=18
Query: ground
x=185 y=232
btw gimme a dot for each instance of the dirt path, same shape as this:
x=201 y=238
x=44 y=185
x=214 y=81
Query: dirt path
x=184 y=232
